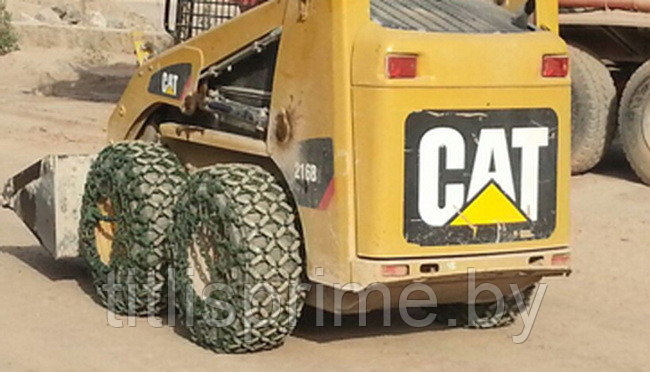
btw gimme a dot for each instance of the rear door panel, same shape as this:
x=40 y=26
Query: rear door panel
x=389 y=126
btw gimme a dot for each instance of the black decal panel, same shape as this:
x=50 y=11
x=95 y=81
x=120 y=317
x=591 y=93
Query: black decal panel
x=480 y=177
x=171 y=81
x=312 y=178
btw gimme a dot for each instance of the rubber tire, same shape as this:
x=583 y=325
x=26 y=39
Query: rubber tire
x=593 y=110
x=259 y=247
x=487 y=315
x=144 y=182
x=636 y=98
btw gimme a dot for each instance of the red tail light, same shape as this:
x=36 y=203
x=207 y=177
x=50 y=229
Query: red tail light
x=395 y=270
x=554 y=66
x=401 y=66
x=562 y=259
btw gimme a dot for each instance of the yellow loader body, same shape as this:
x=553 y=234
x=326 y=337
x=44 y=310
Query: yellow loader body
x=345 y=139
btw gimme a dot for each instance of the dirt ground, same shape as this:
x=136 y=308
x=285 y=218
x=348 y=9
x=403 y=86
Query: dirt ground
x=146 y=15
x=59 y=101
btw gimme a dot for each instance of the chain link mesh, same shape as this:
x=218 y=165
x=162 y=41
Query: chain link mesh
x=196 y=16
x=143 y=181
x=253 y=252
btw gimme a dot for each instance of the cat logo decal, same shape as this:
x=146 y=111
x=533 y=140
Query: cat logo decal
x=480 y=177
x=171 y=81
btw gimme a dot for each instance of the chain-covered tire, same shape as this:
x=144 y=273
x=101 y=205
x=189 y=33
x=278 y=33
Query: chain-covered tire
x=593 y=110
x=126 y=216
x=485 y=315
x=237 y=258
x=634 y=120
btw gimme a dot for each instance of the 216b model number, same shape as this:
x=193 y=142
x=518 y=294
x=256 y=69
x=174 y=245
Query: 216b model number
x=306 y=172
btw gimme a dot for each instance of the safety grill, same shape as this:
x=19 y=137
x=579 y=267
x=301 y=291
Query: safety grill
x=192 y=17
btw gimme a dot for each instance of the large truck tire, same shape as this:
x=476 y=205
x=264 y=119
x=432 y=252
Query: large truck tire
x=126 y=215
x=237 y=258
x=484 y=315
x=593 y=110
x=634 y=120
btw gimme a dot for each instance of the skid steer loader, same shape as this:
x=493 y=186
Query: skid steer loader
x=349 y=145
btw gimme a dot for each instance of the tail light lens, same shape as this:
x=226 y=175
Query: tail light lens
x=401 y=66
x=394 y=270
x=562 y=259
x=554 y=66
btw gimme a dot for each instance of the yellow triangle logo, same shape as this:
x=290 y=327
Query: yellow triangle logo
x=490 y=207
x=170 y=91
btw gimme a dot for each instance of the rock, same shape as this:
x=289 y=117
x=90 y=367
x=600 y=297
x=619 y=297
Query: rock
x=59 y=11
x=73 y=17
x=68 y=13
x=47 y=15
x=96 y=19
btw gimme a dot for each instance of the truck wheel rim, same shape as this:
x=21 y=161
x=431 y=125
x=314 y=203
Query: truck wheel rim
x=105 y=231
x=198 y=266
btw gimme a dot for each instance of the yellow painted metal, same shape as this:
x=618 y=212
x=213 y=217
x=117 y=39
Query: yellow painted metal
x=143 y=50
x=105 y=232
x=380 y=206
x=547 y=15
x=481 y=72
x=330 y=83
x=491 y=207
x=136 y=103
x=204 y=136
x=367 y=271
x=475 y=60
x=312 y=83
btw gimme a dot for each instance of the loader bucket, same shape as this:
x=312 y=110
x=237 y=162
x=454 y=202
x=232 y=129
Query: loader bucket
x=47 y=197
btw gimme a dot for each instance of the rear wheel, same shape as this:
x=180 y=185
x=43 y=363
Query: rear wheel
x=593 y=110
x=635 y=122
x=484 y=315
x=237 y=260
x=126 y=213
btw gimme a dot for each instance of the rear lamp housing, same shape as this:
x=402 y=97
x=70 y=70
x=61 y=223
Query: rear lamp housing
x=394 y=270
x=401 y=66
x=555 y=66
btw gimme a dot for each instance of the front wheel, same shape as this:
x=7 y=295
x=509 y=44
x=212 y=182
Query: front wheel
x=126 y=214
x=237 y=258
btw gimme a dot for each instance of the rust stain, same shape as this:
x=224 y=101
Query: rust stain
x=286 y=122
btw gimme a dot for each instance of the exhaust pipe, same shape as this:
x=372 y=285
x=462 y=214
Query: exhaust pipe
x=637 y=5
